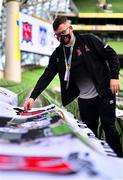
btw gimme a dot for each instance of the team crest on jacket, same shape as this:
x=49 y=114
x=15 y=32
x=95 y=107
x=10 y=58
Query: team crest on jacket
x=79 y=51
x=86 y=48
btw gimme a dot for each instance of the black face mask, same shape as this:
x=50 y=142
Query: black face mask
x=65 y=39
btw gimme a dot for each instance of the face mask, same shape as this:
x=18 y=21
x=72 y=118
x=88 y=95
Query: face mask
x=65 y=39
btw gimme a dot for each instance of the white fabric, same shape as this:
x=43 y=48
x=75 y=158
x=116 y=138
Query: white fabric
x=101 y=166
x=119 y=113
x=8 y=96
x=6 y=110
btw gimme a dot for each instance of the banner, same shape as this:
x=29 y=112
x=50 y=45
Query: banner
x=36 y=35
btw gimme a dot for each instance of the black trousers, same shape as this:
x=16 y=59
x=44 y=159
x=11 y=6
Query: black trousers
x=104 y=108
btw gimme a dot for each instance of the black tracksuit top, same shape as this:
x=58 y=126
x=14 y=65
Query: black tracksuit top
x=100 y=60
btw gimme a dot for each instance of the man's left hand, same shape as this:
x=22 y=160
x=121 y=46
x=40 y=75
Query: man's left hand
x=115 y=86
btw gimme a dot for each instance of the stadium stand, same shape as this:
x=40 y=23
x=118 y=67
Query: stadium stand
x=107 y=25
x=44 y=9
x=91 y=19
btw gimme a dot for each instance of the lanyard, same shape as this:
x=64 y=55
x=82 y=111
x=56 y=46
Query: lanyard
x=68 y=64
x=68 y=61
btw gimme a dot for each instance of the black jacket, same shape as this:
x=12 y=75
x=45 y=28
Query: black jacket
x=100 y=60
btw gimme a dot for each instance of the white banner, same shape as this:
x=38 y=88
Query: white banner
x=36 y=35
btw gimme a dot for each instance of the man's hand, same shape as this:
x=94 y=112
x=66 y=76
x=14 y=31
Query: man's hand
x=28 y=104
x=115 y=86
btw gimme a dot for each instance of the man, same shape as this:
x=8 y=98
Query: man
x=88 y=69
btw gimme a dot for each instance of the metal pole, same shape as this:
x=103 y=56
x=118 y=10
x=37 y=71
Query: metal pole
x=12 y=50
x=1 y=6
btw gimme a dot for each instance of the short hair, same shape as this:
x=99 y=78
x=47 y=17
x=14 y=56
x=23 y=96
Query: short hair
x=58 y=21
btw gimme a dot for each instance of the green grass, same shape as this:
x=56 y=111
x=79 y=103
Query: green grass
x=121 y=79
x=117 y=46
x=86 y=6
x=29 y=79
x=117 y=6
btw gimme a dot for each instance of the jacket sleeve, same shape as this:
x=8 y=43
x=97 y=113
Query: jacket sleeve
x=108 y=54
x=46 y=77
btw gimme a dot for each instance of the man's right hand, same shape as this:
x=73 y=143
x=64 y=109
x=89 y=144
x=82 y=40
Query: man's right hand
x=28 y=104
